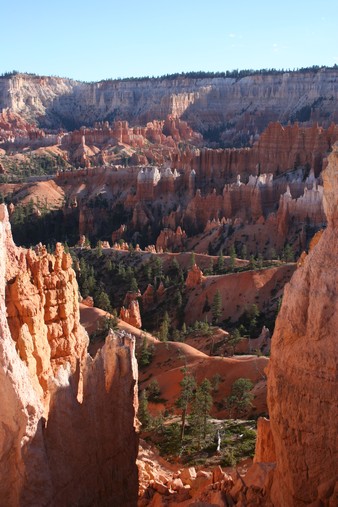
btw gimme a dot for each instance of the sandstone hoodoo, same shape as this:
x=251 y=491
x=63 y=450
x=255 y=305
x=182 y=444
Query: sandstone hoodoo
x=271 y=198
x=61 y=409
x=302 y=380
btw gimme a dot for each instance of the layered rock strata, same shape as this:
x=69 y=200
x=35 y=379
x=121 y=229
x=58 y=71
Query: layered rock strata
x=68 y=428
x=232 y=104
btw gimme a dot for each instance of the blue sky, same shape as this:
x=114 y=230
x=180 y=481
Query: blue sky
x=93 y=40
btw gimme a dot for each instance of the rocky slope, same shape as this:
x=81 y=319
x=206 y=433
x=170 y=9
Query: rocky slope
x=240 y=104
x=302 y=378
x=61 y=410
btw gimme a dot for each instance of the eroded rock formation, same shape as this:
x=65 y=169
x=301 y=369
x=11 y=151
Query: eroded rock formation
x=248 y=103
x=302 y=379
x=195 y=277
x=68 y=428
x=171 y=240
x=130 y=311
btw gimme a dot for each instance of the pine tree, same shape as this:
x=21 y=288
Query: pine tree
x=201 y=410
x=188 y=386
x=164 y=328
x=158 y=268
x=178 y=299
x=220 y=264
x=109 y=265
x=216 y=307
x=288 y=254
x=148 y=272
x=240 y=398
x=260 y=261
x=210 y=270
x=244 y=252
x=99 y=249
x=145 y=354
x=175 y=268
x=273 y=253
x=153 y=391
x=143 y=412
x=252 y=262
x=251 y=316
x=133 y=287
x=102 y=301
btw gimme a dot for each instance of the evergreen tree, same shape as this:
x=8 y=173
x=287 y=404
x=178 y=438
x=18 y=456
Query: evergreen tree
x=164 y=328
x=133 y=287
x=99 y=249
x=109 y=266
x=216 y=307
x=145 y=354
x=91 y=281
x=175 y=268
x=240 y=398
x=220 y=264
x=288 y=254
x=102 y=301
x=158 y=268
x=260 y=261
x=252 y=262
x=244 y=252
x=143 y=412
x=188 y=386
x=200 y=412
x=176 y=336
x=251 y=317
x=148 y=272
x=210 y=270
x=121 y=271
x=153 y=390
x=273 y=253
x=178 y=299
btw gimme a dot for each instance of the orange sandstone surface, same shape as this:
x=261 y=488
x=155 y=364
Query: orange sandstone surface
x=302 y=378
x=68 y=427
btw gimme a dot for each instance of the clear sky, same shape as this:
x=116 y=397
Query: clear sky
x=97 y=39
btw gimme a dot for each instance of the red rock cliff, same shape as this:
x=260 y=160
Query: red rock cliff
x=302 y=379
x=67 y=421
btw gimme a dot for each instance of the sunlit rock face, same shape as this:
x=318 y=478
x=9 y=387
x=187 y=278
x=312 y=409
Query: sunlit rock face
x=302 y=378
x=68 y=428
x=203 y=102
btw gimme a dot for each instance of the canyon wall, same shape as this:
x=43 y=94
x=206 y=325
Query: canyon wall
x=302 y=377
x=237 y=104
x=280 y=148
x=68 y=422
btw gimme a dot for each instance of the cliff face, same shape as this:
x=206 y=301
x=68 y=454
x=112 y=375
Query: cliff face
x=302 y=379
x=251 y=101
x=68 y=429
x=279 y=149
